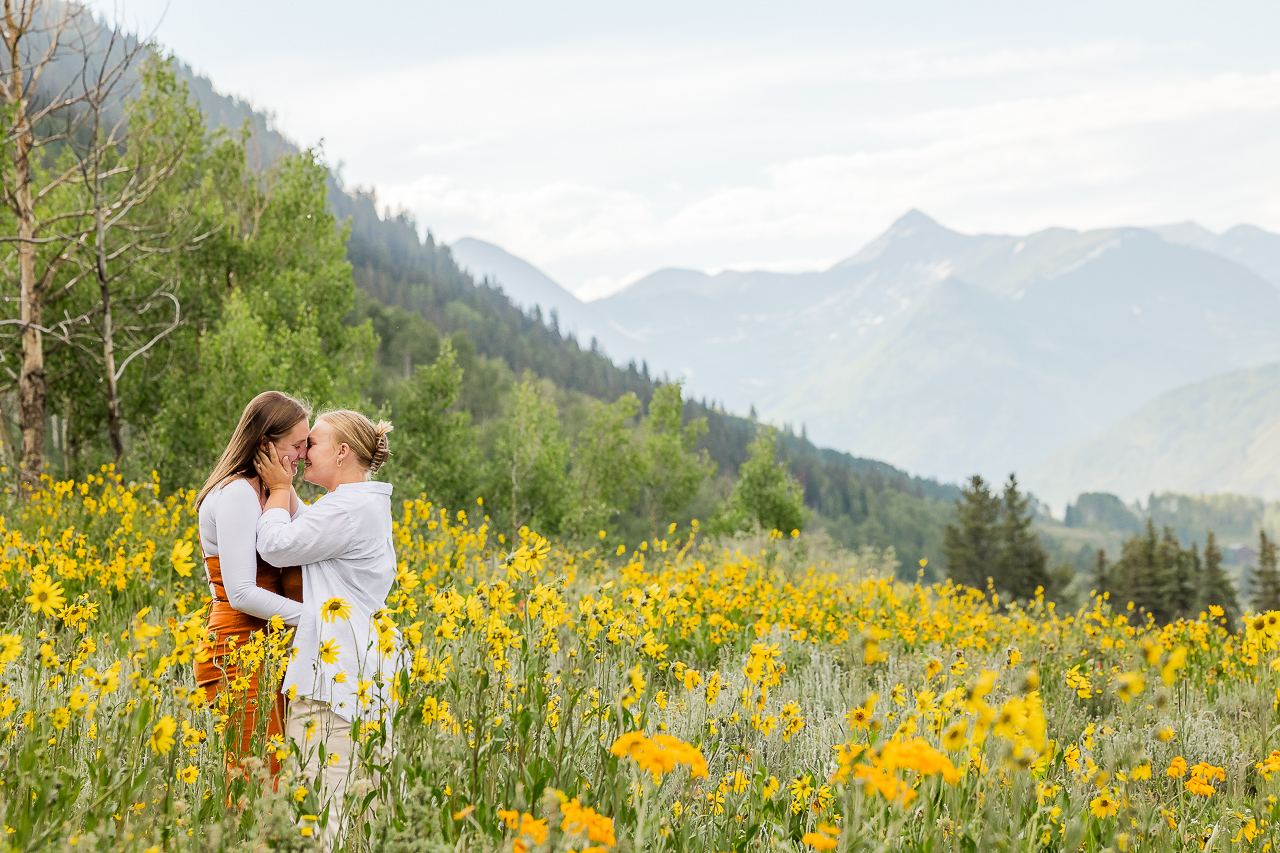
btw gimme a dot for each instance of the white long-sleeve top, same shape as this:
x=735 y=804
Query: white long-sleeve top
x=228 y=531
x=343 y=543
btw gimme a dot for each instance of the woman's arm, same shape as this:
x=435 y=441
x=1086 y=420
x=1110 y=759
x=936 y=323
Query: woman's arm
x=236 y=524
x=322 y=532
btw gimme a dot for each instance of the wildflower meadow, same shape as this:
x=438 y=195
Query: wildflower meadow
x=681 y=693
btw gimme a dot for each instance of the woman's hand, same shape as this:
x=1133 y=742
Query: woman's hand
x=272 y=470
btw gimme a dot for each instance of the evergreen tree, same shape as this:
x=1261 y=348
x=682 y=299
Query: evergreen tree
x=1216 y=587
x=1166 y=579
x=1188 y=581
x=971 y=542
x=1101 y=576
x=1020 y=567
x=1266 y=580
x=1134 y=577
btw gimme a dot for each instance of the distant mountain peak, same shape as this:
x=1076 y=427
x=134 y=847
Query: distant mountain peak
x=1248 y=245
x=915 y=234
x=913 y=220
x=1191 y=234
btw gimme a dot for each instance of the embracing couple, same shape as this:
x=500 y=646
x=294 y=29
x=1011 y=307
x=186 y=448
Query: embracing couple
x=324 y=569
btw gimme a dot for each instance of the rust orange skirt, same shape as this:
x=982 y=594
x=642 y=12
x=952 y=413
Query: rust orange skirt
x=216 y=672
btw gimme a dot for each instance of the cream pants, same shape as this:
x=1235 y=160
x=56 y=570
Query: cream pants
x=311 y=724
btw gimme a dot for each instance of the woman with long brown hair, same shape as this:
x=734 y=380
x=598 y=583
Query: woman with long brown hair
x=247 y=591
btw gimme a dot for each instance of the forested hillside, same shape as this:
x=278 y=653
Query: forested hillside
x=263 y=271
x=408 y=279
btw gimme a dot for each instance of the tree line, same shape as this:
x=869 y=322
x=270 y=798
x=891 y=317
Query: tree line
x=1163 y=579
x=992 y=544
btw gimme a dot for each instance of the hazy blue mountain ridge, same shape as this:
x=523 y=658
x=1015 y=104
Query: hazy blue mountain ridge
x=1247 y=245
x=948 y=353
x=975 y=382
x=1218 y=435
x=529 y=287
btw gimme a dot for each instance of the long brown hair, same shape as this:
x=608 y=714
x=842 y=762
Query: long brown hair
x=268 y=417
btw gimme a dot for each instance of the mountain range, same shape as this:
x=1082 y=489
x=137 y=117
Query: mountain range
x=1219 y=435
x=950 y=354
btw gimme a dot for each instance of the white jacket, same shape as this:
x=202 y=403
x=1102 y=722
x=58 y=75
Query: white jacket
x=343 y=543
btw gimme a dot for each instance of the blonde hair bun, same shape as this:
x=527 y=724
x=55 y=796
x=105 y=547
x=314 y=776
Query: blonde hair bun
x=367 y=440
x=383 y=451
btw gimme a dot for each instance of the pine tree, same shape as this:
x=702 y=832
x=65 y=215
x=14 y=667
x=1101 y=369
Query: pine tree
x=1166 y=601
x=1101 y=576
x=1021 y=561
x=1266 y=580
x=1189 y=577
x=1134 y=577
x=1216 y=587
x=970 y=543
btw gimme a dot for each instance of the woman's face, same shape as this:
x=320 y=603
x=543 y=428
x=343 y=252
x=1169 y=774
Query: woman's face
x=292 y=449
x=322 y=457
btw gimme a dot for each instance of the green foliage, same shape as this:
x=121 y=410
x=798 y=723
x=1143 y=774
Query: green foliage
x=970 y=543
x=858 y=502
x=765 y=496
x=1021 y=560
x=406 y=340
x=1102 y=510
x=528 y=482
x=606 y=467
x=280 y=322
x=673 y=468
x=436 y=451
x=242 y=356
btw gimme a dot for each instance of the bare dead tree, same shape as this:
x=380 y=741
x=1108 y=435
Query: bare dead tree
x=128 y=234
x=41 y=123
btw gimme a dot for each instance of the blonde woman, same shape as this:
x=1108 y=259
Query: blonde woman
x=343 y=542
x=247 y=592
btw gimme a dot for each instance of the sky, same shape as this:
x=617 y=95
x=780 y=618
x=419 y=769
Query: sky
x=603 y=141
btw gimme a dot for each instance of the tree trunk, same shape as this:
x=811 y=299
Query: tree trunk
x=32 y=386
x=6 y=438
x=108 y=339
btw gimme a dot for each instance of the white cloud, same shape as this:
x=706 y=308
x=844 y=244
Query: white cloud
x=599 y=158
x=1104 y=150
